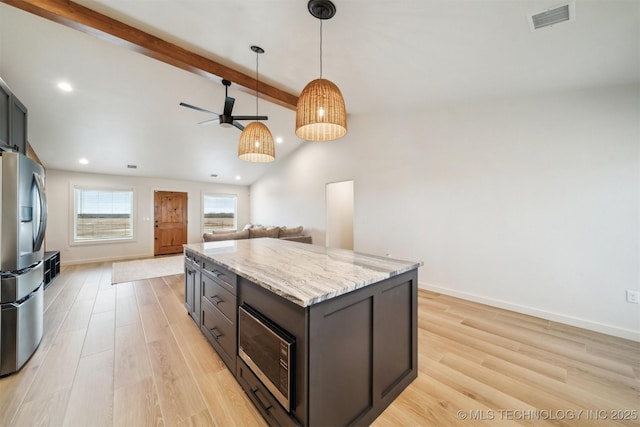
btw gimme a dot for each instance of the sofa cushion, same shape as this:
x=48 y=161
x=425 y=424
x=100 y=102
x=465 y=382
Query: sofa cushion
x=209 y=237
x=289 y=232
x=255 y=233
x=250 y=226
x=300 y=239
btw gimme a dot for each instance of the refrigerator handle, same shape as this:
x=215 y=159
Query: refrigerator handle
x=37 y=244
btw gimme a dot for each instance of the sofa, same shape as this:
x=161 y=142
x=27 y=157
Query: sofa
x=251 y=231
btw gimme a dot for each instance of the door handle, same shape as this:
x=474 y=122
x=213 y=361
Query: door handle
x=215 y=332
x=216 y=300
x=39 y=239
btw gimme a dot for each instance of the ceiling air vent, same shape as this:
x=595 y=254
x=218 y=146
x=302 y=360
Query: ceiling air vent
x=552 y=16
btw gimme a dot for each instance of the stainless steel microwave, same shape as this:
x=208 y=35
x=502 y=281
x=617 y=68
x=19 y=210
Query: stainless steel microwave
x=267 y=350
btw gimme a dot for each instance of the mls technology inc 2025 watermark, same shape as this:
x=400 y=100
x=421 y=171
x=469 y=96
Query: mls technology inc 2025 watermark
x=547 y=414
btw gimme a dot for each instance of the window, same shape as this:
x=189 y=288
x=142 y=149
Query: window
x=102 y=214
x=219 y=212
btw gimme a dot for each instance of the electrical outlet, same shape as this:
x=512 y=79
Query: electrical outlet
x=633 y=296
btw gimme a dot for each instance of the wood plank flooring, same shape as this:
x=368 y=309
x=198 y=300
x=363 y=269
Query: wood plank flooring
x=128 y=355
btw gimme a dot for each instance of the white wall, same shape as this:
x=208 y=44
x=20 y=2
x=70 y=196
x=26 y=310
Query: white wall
x=530 y=204
x=339 y=201
x=59 y=187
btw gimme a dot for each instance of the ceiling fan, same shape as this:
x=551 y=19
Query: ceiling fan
x=225 y=119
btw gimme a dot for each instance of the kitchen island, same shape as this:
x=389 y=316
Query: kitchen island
x=350 y=320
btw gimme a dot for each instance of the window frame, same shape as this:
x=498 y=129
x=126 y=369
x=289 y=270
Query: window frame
x=221 y=195
x=73 y=241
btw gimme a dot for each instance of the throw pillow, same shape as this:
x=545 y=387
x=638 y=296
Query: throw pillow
x=289 y=232
x=264 y=232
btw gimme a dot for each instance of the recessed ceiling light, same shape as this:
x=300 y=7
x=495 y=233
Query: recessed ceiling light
x=65 y=87
x=279 y=140
x=83 y=161
x=238 y=177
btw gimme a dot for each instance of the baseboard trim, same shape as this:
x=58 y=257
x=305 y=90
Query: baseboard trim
x=106 y=259
x=532 y=311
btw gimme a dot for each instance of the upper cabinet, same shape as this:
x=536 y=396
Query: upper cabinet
x=18 y=128
x=13 y=121
x=5 y=108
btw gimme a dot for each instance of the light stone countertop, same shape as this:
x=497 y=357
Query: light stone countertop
x=299 y=272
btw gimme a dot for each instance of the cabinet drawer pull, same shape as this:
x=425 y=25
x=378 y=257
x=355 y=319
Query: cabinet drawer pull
x=263 y=400
x=215 y=299
x=215 y=333
x=217 y=273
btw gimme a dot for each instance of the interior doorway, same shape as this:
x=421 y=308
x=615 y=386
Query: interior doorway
x=170 y=222
x=340 y=215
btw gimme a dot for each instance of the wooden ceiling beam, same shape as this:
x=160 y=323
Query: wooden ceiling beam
x=91 y=22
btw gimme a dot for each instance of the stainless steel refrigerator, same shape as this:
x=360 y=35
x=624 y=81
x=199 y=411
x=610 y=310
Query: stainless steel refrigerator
x=23 y=219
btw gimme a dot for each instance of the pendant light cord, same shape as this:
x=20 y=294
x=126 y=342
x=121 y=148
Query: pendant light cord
x=320 y=48
x=257 y=81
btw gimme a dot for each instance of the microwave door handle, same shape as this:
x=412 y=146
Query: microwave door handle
x=43 y=213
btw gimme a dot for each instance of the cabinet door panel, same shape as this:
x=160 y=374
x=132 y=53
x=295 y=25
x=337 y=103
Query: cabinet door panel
x=5 y=108
x=341 y=363
x=18 y=131
x=394 y=332
x=189 y=277
x=197 y=297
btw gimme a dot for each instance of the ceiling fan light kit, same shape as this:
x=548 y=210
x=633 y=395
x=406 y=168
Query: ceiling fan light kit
x=256 y=142
x=321 y=114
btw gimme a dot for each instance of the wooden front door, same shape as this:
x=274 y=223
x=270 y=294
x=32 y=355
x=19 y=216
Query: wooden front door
x=170 y=222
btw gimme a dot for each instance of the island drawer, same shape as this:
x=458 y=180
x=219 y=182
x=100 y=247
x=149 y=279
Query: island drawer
x=220 y=332
x=191 y=258
x=219 y=297
x=274 y=414
x=220 y=274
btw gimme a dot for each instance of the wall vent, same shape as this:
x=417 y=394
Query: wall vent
x=132 y=166
x=553 y=16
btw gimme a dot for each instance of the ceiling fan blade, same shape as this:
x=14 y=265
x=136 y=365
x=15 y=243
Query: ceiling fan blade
x=250 y=118
x=238 y=125
x=208 y=122
x=228 y=105
x=182 y=104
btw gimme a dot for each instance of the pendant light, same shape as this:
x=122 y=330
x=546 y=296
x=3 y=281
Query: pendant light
x=321 y=114
x=256 y=142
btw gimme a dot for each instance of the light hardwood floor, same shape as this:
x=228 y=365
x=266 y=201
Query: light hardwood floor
x=128 y=355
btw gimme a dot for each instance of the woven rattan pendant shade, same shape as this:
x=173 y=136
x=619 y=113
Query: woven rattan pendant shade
x=256 y=144
x=321 y=114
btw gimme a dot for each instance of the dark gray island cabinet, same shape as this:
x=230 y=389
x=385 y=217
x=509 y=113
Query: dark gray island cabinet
x=315 y=336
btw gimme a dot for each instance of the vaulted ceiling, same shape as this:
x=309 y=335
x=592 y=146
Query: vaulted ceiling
x=384 y=55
